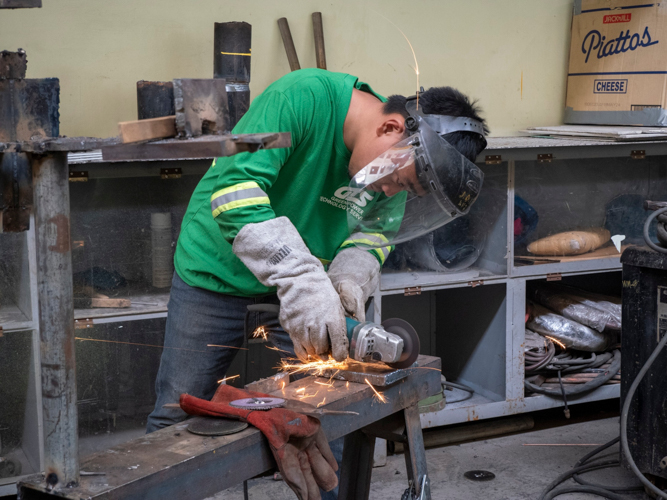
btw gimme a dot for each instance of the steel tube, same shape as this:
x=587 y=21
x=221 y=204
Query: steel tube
x=56 y=319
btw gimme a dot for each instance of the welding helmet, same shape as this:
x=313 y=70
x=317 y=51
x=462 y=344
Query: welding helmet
x=439 y=183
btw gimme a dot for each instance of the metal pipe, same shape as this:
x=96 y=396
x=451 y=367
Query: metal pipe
x=286 y=34
x=318 y=34
x=231 y=61
x=56 y=319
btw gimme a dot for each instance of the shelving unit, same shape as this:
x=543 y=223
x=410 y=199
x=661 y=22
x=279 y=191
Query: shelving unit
x=473 y=319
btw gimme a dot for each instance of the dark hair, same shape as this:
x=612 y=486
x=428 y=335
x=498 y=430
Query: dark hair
x=447 y=101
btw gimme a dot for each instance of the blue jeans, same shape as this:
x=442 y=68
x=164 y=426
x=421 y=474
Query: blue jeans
x=198 y=317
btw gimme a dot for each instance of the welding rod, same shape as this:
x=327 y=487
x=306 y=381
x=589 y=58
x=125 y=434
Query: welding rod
x=289 y=44
x=318 y=33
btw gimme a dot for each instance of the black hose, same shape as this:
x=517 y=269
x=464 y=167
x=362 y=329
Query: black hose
x=647 y=238
x=584 y=489
x=601 y=379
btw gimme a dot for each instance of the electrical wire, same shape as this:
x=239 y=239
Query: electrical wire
x=601 y=379
x=461 y=387
x=626 y=410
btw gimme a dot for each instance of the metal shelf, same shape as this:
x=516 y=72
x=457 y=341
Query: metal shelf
x=397 y=281
x=144 y=306
x=13 y=319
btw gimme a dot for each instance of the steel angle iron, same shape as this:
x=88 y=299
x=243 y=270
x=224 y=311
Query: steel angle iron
x=260 y=403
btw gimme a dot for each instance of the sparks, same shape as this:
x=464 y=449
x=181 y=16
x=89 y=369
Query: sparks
x=260 y=332
x=347 y=384
x=142 y=345
x=283 y=385
x=317 y=368
x=227 y=378
x=556 y=341
x=377 y=394
x=323 y=383
x=414 y=56
x=321 y=403
x=227 y=346
x=301 y=390
x=273 y=348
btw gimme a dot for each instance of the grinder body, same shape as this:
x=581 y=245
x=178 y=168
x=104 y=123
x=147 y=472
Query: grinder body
x=394 y=342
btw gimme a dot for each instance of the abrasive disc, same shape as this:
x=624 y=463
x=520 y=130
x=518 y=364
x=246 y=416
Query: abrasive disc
x=410 y=338
x=261 y=403
x=210 y=426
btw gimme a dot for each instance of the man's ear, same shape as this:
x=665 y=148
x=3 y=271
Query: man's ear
x=393 y=124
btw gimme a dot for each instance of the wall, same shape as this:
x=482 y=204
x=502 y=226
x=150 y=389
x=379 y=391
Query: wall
x=509 y=54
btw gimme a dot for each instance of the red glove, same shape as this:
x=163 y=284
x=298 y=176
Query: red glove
x=297 y=441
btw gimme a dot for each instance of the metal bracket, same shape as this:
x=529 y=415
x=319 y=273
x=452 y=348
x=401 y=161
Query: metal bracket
x=545 y=158
x=80 y=324
x=493 y=159
x=554 y=277
x=78 y=176
x=638 y=154
x=475 y=283
x=412 y=290
x=171 y=173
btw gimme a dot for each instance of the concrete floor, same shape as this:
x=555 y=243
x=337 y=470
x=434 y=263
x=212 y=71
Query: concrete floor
x=521 y=471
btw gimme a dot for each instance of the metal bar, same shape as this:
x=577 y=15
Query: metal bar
x=56 y=319
x=355 y=477
x=13 y=64
x=318 y=34
x=172 y=463
x=286 y=34
x=211 y=146
x=232 y=44
x=155 y=99
x=415 y=451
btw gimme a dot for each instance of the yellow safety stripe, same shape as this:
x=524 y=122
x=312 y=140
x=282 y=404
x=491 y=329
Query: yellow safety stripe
x=235 y=54
x=240 y=195
x=382 y=252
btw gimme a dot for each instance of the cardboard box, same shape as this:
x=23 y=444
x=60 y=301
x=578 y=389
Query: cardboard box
x=618 y=63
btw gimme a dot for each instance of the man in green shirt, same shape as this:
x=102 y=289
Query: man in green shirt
x=267 y=223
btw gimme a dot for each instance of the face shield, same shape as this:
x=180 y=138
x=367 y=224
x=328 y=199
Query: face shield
x=416 y=186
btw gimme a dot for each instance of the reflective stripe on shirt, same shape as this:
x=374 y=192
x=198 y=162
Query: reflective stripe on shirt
x=370 y=239
x=239 y=195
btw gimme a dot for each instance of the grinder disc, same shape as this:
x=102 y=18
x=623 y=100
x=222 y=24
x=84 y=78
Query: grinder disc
x=209 y=426
x=260 y=403
x=410 y=338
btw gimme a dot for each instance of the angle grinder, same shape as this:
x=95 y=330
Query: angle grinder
x=394 y=342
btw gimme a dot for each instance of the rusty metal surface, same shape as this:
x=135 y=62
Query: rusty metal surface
x=56 y=318
x=378 y=374
x=29 y=109
x=211 y=146
x=13 y=64
x=20 y=4
x=231 y=51
x=155 y=99
x=52 y=144
x=173 y=463
x=238 y=100
x=15 y=192
x=201 y=106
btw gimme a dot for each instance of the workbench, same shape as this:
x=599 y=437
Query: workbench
x=174 y=463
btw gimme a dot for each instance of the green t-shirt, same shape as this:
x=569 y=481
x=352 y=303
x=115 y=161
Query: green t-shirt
x=306 y=182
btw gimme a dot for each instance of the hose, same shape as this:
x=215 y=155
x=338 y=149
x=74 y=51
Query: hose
x=647 y=238
x=626 y=409
x=461 y=387
x=601 y=379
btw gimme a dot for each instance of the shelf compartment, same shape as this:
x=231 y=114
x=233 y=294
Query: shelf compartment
x=116 y=367
x=141 y=304
x=562 y=196
x=20 y=412
x=469 y=248
x=15 y=294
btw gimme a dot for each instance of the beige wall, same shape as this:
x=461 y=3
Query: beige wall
x=100 y=48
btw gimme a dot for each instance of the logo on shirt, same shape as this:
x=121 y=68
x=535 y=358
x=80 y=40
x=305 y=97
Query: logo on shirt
x=358 y=198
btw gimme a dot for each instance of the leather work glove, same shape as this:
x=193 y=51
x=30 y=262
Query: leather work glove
x=310 y=310
x=297 y=441
x=355 y=274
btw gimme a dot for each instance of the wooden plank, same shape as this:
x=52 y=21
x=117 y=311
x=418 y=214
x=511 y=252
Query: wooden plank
x=601 y=253
x=146 y=130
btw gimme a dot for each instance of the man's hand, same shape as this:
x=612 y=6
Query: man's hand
x=354 y=274
x=310 y=309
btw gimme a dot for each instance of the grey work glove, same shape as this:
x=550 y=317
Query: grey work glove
x=310 y=309
x=355 y=274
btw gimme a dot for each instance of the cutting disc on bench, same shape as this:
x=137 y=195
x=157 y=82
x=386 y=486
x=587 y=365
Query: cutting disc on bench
x=209 y=426
x=260 y=403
